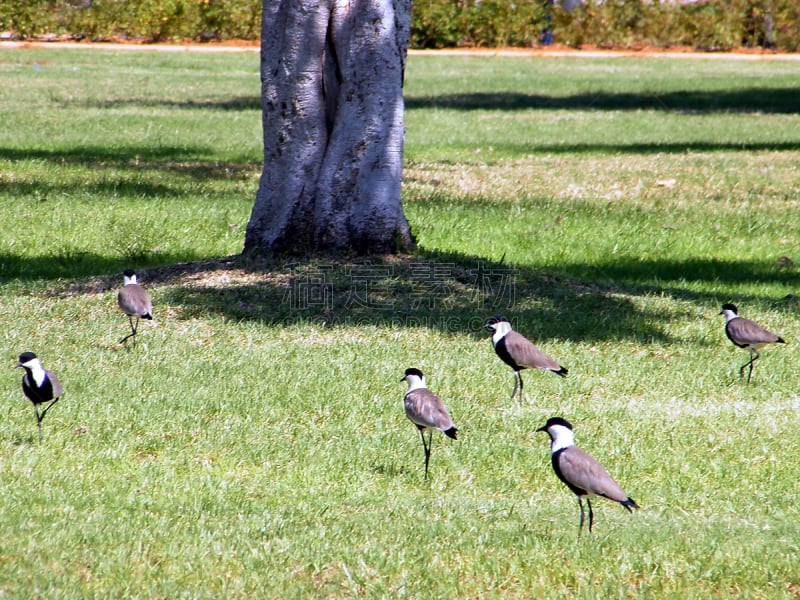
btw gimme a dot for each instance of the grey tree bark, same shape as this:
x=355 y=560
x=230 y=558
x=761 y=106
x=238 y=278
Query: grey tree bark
x=331 y=87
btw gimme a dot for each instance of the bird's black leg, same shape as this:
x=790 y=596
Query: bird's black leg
x=40 y=416
x=514 y=392
x=426 y=447
x=750 y=364
x=49 y=406
x=38 y=421
x=752 y=360
x=591 y=514
x=521 y=386
x=580 y=527
x=133 y=331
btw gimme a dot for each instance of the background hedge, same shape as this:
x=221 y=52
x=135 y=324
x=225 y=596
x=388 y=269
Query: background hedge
x=710 y=24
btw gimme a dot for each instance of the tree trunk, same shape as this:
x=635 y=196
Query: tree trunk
x=332 y=102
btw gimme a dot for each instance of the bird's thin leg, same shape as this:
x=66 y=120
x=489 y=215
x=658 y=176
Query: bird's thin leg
x=749 y=364
x=426 y=447
x=521 y=387
x=49 y=406
x=133 y=331
x=580 y=503
x=752 y=360
x=430 y=444
x=514 y=392
x=591 y=514
x=38 y=421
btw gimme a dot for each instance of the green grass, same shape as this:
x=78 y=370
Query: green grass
x=254 y=443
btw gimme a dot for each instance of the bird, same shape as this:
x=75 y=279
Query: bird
x=747 y=334
x=134 y=302
x=518 y=352
x=580 y=472
x=426 y=410
x=39 y=386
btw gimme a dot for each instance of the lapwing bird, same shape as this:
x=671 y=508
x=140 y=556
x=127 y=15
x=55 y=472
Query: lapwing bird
x=426 y=410
x=519 y=353
x=579 y=471
x=748 y=335
x=39 y=386
x=134 y=302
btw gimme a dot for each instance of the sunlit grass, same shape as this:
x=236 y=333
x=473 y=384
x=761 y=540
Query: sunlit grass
x=254 y=442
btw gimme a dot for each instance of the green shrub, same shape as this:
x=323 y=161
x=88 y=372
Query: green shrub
x=486 y=23
x=710 y=24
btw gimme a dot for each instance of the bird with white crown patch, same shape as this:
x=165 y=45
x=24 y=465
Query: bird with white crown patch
x=134 y=301
x=519 y=353
x=426 y=410
x=39 y=385
x=580 y=472
x=747 y=334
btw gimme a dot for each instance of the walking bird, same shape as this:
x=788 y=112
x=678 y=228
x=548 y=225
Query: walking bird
x=580 y=472
x=519 y=353
x=39 y=386
x=426 y=410
x=748 y=335
x=134 y=302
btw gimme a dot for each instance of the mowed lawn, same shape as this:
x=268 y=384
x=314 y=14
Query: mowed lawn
x=254 y=443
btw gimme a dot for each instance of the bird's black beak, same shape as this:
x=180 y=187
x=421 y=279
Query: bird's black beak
x=403 y=378
x=722 y=312
x=18 y=366
x=542 y=428
x=487 y=326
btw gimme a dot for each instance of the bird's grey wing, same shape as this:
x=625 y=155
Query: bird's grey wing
x=588 y=474
x=425 y=408
x=57 y=387
x=527 y=354
x=751 y=332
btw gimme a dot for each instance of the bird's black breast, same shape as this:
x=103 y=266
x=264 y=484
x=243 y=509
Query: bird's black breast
x=37 y=395
x=502 y=352
x=555 y=457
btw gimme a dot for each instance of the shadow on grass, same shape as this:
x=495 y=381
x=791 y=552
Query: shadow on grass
x=75 y=266
x=449 y=292
x=183 y=160
x=132 y=172
x=763 y=100
x=453 y=293
x=756 y=99
x=633 y=272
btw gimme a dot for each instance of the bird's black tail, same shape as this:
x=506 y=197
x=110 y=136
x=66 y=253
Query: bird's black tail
x=148 y=317
x=630 y=503
x=451 y=433
x=562 y=371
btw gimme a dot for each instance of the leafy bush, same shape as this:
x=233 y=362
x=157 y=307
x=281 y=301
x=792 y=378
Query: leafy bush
x=708 y=24
x=712 y=25
x=488 y=23
x=151 y=20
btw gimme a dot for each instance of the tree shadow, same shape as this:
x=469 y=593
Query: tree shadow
x=784 y=100
x=179 y=160
x=453 y=293
x=75 y=266
x=762 y=100
x=235 y=103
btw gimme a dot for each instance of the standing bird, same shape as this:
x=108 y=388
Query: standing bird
x=747 y=334
x=519 y=353
x=426 y=410
x=579 y=471
x=134 y=302
x=39 y=386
